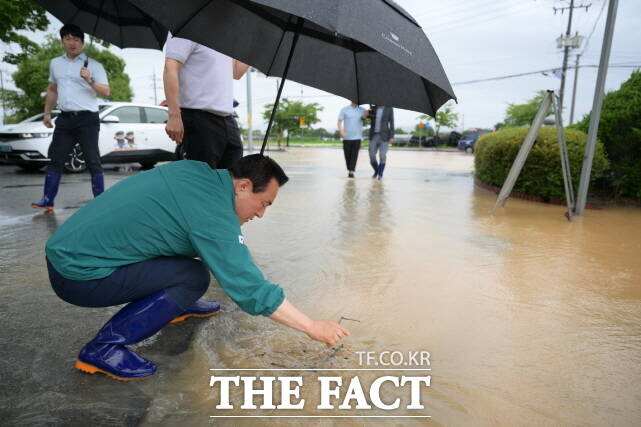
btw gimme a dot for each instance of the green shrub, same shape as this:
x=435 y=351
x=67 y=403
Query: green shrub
x=542 y=175
x=619 y=131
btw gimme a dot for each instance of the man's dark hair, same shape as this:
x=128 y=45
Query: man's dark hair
x=259 y=170
x=71 y=29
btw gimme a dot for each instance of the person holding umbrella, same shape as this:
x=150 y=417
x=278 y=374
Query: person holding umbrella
x=379 y=54
x=74 y=83
x=381 y=133
x=180 y=211
x=199 y=91
x=350 y=128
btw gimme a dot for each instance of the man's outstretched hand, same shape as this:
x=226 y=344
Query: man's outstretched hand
x=324 y=331
x=327 y=332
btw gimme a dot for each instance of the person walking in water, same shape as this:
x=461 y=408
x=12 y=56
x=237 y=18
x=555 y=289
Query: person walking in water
x=75 y=81
x=350 y=128
x=381 y=133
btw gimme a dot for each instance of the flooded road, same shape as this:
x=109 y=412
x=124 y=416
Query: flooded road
x=529 y=320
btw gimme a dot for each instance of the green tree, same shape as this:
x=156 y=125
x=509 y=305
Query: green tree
x=445 y=117
x=32 y=78
x=16 y=15
x=289 y=113
x=620 y=132
x=523 y=114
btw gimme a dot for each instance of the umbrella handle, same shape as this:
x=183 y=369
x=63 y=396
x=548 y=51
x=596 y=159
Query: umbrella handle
x=299 y=26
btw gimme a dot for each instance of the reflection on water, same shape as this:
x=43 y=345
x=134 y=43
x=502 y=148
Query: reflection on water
x=529 y=319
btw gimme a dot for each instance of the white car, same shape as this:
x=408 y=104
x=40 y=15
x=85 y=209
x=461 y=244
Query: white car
x=128 y=133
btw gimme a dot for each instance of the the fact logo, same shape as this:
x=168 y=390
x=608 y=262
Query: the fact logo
x=369 y=388
x=351 y=394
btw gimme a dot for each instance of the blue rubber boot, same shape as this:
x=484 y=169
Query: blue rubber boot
x=200 y=308
x=52 y=182
x=97 y=184
x=381 y=168
x=107 y=353
x=375 y=166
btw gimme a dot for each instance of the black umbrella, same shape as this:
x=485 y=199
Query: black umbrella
x=369 y=51
x=116 y=21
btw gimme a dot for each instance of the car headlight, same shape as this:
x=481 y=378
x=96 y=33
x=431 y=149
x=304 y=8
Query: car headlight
x=36 y=135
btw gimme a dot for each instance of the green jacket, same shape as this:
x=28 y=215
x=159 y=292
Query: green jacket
x=182 y=208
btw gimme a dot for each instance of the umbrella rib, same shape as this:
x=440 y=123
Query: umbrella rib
x=122 y=42
x=95 y=25
x=280 y=42
x=190 y=18
x=159 y=32
x=76 y=13
x=429 y=96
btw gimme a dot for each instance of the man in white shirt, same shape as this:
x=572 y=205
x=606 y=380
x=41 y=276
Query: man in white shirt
x=74 y=82
x=199 y=91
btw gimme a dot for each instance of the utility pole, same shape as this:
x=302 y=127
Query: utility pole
x=2 y=89
x=566 y=49
x=250 y=128
x=595 y=114
x=576 y=77
x=567 y=42
x=155 y=96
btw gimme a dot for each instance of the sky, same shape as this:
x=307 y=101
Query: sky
x=475 y=40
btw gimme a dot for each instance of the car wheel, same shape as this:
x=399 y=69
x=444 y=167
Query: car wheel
x=469 y=150
x=30 y=168
x=147 y=165
x=76 y=162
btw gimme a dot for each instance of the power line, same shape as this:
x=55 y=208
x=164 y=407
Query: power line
x=549 y=70
x=456 y=8
x=496 y=14
x=466 y=13
x=587 y=41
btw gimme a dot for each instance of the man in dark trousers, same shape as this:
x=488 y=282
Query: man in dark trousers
x=176 y=212
x=381 y=133
x=74 y=82
x=350 y=128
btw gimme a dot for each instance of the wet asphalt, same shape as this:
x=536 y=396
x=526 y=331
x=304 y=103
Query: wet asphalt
x=41 y=334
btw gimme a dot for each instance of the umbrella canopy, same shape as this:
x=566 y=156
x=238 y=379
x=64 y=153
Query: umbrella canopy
x=368 y=51
x=115 y=21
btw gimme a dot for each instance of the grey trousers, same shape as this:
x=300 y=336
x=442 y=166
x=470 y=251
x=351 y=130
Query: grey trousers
x=375 y=145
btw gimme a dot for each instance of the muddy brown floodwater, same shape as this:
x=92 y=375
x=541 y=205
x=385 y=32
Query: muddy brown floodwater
x=529 y=320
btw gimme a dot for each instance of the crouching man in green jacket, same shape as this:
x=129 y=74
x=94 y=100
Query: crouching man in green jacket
x=136 y=244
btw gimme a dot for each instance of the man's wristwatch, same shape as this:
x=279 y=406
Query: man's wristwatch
x=92 y=81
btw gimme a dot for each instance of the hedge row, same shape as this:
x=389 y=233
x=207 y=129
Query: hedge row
x=620 y=132
x=542 y=175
